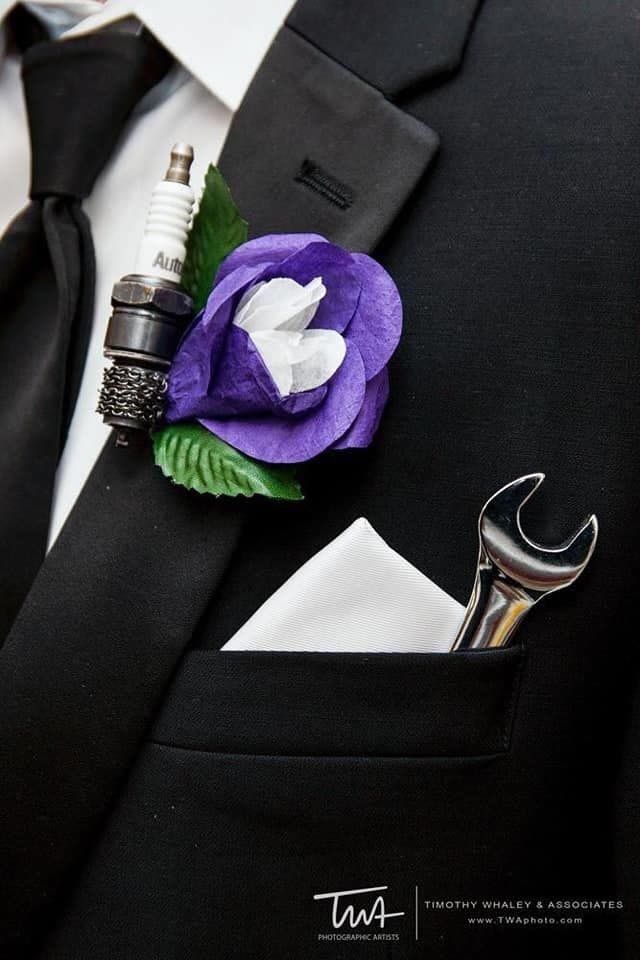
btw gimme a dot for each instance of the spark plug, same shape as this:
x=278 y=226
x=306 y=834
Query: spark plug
x=150 y=308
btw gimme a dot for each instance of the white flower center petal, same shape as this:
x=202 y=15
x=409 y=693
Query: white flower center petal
x=279 y=304
x=299 y=361
x=274 y=348
x=276 y=314
x=318 y=356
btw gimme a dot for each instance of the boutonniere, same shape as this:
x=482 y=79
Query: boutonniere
x=286 y=357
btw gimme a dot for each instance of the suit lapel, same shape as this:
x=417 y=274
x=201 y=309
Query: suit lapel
x=86 y=663
x=315 y=147
x=120 y=595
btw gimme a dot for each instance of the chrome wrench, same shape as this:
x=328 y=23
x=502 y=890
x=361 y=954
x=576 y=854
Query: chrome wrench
x=514 y=573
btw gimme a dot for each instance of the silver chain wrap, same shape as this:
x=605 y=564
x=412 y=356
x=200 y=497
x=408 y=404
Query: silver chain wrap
x=132 y=393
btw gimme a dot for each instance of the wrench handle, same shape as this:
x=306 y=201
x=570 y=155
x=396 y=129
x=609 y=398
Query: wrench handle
x=496 y=607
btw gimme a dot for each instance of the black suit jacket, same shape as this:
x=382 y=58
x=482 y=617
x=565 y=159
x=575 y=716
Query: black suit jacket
x=161 y=799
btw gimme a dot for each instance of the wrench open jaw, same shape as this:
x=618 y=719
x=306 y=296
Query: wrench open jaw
x=513 y=572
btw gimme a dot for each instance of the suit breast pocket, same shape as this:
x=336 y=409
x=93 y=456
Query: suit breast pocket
x=336 y=704
x=270 y=779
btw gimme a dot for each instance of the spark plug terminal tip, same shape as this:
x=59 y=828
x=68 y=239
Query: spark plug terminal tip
x=180 y=163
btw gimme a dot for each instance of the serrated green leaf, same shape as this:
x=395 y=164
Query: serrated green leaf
x=196 y=459
x=217 y=229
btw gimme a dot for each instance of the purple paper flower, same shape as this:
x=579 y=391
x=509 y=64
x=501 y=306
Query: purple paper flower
x=289 y=356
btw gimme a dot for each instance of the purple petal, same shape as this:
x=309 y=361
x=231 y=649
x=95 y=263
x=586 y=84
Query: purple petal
x=204 y=344
x=364 y=427
x=243 y=385
x=285 y=440
x=272 y=248
x=297 y=404
x=377 y=324
x=340 y=275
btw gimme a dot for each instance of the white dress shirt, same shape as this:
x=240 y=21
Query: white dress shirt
x=219 y=45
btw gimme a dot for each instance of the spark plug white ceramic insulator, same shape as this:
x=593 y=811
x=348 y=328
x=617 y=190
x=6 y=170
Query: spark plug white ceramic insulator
x=162 y=251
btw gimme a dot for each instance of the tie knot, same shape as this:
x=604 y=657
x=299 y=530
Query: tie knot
x=79 y=94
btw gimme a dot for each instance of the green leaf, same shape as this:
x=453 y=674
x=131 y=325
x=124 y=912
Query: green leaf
x=217 y=229
x=196 y=459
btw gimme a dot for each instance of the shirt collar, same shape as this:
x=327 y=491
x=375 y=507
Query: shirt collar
x=220 y=42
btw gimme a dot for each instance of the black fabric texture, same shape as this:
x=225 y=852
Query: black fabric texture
x=370 y=703
x=394 y=47
x=313 y=113
x=79 y=93
x=268 y=779
x=78 y=687
x=204 y=822
x=25 y=29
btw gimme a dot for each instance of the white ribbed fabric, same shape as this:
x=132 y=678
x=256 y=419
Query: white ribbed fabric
x=355 y=595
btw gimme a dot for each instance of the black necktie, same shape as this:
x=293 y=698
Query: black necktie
x=79 y=94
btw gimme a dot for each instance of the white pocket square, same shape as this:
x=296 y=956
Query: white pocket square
x=355 y=595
